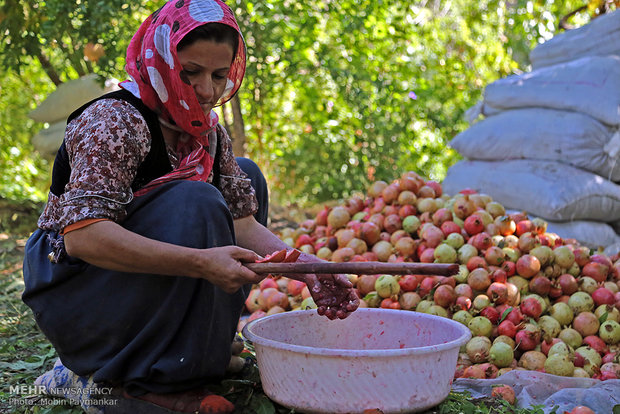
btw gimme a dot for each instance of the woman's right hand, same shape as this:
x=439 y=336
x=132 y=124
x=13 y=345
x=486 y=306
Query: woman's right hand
x=223 y=266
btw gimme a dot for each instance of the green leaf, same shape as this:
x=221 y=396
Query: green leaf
x=603 y=317
x=505 y=313
x=260 y=404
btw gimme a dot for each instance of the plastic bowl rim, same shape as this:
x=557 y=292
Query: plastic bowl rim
x=342 y=352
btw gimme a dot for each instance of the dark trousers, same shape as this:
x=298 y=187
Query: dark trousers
x=145 y=332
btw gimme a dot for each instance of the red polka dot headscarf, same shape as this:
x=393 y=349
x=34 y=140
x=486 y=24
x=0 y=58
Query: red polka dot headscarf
x=155 y=74
x=155 y=70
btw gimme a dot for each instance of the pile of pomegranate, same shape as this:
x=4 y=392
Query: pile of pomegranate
x=532 y=300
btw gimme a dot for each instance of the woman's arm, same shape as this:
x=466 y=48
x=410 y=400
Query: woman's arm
x=107 y=244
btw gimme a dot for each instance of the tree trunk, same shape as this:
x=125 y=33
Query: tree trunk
x=48 y=68
x=238 y=127
x=227 y=121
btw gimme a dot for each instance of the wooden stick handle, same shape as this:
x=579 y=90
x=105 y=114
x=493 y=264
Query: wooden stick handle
x=359 y=268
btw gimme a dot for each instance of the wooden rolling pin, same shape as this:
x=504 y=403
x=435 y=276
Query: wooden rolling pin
x=358 y=268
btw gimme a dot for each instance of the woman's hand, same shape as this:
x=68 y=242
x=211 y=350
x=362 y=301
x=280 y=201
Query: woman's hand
x=223 y=266
x=333 y=295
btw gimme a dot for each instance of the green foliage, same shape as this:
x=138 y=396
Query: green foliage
x=341 y=93
x=24 y=174
x=337 y=94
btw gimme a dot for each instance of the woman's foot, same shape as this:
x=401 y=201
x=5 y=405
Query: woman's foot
x=195 y=401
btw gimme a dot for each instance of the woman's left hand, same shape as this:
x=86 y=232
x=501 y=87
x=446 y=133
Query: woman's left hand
x=333 y=295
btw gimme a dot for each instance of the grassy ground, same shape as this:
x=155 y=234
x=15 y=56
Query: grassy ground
x=25 y=353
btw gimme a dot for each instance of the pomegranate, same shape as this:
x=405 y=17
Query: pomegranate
x=474 y=371
x=526 y=340
x=454 y=240
x=409 y=300
x=595 y=343
x=609 y=332
x=549 y=326
x=481 y=241
x=571 y=337
x=463 y=208
x=528 y=266
x=444 y=296
x=603 y=296
x=338 y=217
x=563 y=255
x=432 y=235
x=495 y=209
x=586 y=323
x=444 y=253
x=547 y=344
x=480 y=326
x=581 y=302
x=501 y=354
x=406 y=211
x=473 y=225
x=532 y=360
x=344 y=254
x=505 y=392
x=463 y=302
x=498 y=293
x=436 y=187
x=531 y=307
x=479 y=279
x=370 y=233
x=540 y=285
x=480 y=302
x=441 y=216
x=491 y=313
x=466 y=252
x=507 y=328
x=559 y=365
x=580 y=409
x=596 y=271
x=478 y=348
x=562 y=313
x=411 y=224
x=383 y=250
x=376 y=188
x=568 y=284
x=408 y=283
x=387 y=286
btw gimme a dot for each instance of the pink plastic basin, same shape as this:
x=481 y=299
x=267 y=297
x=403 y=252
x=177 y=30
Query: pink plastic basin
x=396 y=361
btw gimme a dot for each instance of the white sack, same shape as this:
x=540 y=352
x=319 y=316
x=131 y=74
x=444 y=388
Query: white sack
x=68 y=97
x=48 y=140
x=548 y=189
x=589 y=85
x=598 y=38
x=545 y=134
x=554 y=393
x=593 y=234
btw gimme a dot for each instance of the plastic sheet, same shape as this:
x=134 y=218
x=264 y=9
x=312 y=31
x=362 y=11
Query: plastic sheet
x=550 y=391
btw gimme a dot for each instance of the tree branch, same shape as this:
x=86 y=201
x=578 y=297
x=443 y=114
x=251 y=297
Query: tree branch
x=48 y=68
x=564 y=20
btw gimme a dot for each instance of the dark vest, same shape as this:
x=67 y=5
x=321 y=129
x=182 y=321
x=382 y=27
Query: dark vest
x=154 y=165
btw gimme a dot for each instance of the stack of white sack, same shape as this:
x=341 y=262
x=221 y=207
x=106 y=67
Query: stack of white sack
x=599 y=38
x=549 y=144
x=57 y=107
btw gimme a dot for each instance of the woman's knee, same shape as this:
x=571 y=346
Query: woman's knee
x=182 y=210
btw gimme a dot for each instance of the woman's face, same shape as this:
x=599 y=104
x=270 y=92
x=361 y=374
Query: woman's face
x=206 y=65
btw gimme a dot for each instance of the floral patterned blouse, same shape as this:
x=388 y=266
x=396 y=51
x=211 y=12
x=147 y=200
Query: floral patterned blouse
x=105 y=145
